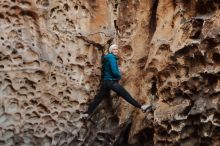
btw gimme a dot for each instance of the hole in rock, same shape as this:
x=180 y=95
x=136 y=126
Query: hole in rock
x=210 y=43
x=74 y=103
x=161 y=132
x=33 y=102
x=216 y=57
x=186 y=50
x=76 y=7
x=24 y=2
x=1 y=16
x=66 y=98
x=216 y=118
x=14 y=51
x=212 y=78
x=141 y=62
x=206 y=6
x=127 y=51
x=19 y=46
x=53 y=9
x=45 y=3
x=59 y=60
x=83 y=7
x=187 y=109
x=66 y=7
x=144 y=138
x=199 y=58
x=216 y=132
x=153 y=89
x=43 y=109
x=30 y=13
x=116 y=5
x=197 y=28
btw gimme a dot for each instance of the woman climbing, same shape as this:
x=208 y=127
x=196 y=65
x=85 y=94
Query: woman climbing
x=110 y=78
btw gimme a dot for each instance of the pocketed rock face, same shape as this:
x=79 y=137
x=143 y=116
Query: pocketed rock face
x=47 y=72
x=50 y=70
x=175 y=47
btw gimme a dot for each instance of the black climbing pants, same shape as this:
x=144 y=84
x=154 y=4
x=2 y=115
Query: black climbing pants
x=104 y=92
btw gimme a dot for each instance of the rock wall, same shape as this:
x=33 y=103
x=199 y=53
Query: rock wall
x=50 y=69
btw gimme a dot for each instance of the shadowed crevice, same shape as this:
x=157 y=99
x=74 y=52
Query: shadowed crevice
x=153 y=19
x=122 y=140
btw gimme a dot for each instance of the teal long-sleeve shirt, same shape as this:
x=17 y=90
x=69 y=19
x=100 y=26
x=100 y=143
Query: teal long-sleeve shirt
x=111 y=71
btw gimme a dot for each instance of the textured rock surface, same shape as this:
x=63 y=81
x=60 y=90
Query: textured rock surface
x=50 y=69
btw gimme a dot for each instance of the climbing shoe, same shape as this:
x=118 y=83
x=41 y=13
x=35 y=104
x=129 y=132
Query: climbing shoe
x=145 y=107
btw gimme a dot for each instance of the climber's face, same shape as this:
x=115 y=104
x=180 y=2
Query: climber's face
x=115 y=51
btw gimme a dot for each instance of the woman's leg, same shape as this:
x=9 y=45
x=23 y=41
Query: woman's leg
x=97 y=99
x=121 y=91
